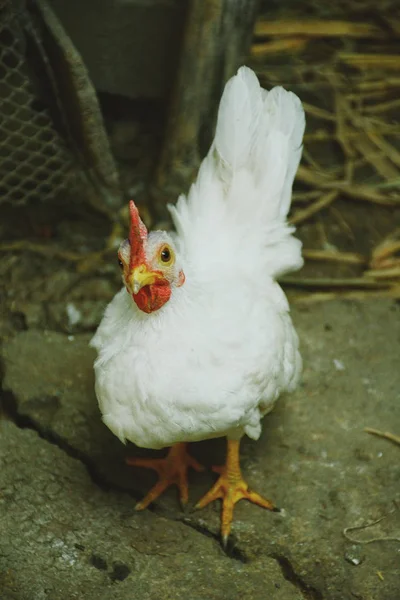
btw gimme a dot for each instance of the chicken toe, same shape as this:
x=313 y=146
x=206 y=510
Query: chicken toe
x=231 y=487
x=172 y=470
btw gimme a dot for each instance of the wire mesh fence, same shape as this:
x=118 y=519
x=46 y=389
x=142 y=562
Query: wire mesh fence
x=35 y=161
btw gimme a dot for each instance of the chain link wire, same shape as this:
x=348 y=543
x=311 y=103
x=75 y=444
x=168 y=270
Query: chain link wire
x=35 y=162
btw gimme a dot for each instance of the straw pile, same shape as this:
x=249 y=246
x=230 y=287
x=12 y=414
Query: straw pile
x=347 y=191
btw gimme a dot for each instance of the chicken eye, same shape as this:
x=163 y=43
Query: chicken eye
x=121 y=264
x=165 y=255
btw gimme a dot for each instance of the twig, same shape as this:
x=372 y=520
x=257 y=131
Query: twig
x=361 y=96
x=317 y=28
x=375 y=123
x=384 y=434
x=389 y=185
x=306 y=196
x=335 y=256
x=385 y=249
x=320 y=113
x=301 y=215
x=342 y=222
x=277 y=46
x=357 y=295
x=376 y=158
x=327 y=282
x=307 y=175
x=357 y=192
x=383 y=62
x=384 y=146
x=360 y=142
x=322 y=135
x=364 y=192
x=307 y=156
x=377 y=539
x=384 y=273
x=321 y=232
x=342 y=109
x=380 y=84
x=383 y=106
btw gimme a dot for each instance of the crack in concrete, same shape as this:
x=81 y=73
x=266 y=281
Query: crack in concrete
x=24 y=421
x=232 y=550
x=308 y=591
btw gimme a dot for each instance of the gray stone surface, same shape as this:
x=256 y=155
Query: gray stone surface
x=314 y=460
x=62 y=538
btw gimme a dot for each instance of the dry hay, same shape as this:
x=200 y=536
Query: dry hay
x=346 y=69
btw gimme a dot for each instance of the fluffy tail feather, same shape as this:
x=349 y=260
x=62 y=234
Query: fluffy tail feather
x=246 y=179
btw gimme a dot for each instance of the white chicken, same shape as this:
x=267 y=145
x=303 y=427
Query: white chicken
x=202 y=344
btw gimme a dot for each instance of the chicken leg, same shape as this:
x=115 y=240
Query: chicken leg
x=231 y=488
x=172 y=470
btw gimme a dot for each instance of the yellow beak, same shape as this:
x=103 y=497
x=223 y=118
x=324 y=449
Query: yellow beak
x=141 y=276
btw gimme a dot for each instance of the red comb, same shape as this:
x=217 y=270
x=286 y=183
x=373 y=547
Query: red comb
x=137 y=236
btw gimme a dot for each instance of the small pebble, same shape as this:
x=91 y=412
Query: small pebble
x=74 y=315
x=354 y=555
x=339 y=366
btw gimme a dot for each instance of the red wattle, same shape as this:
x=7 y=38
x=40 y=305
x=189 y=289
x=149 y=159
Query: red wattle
x=152 y=297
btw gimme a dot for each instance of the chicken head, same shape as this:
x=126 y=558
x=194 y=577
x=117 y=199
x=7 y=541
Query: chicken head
x=150 y=265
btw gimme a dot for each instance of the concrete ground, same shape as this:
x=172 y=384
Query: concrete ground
x=68 y=529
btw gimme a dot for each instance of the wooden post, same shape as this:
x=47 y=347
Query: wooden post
x=216 y=41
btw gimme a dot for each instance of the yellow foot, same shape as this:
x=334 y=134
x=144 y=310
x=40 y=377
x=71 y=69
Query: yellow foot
x=172 y=470
x=231 y=488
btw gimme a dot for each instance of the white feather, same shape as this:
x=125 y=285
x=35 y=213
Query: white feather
x=214 y=359
x=240 y=113
x=244 y=187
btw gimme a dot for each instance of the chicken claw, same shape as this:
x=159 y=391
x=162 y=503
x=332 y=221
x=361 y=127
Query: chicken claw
x=231 y=487
x=172 y=470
